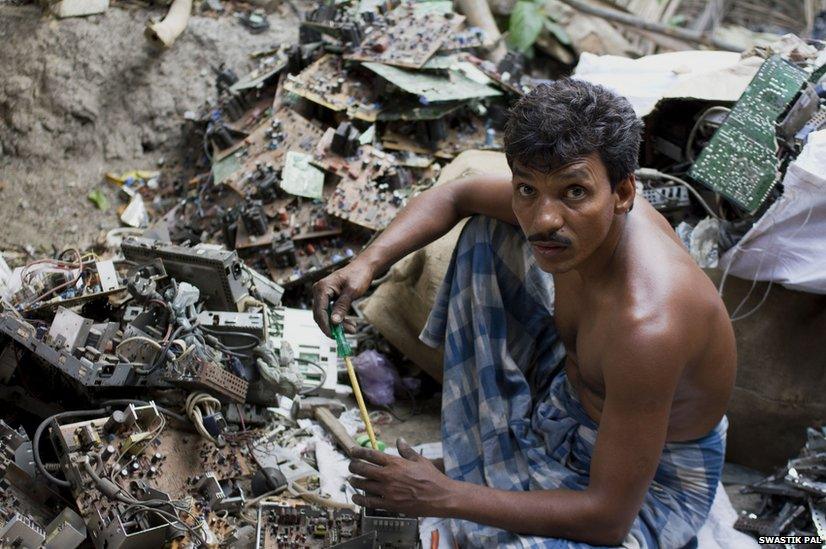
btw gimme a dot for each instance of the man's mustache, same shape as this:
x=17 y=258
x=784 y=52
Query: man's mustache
x=550 y=237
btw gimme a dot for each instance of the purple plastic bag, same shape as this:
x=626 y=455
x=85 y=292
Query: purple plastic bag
x=377 y=377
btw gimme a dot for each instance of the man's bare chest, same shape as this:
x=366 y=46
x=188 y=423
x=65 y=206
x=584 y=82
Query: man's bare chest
x=577 y=322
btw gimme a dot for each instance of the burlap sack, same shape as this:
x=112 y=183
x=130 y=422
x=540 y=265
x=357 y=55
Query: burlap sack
x=399 y=306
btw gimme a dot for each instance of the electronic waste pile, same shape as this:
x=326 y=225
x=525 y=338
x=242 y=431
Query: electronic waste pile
x=157 y=382
x=169 y=386
x=303 y=160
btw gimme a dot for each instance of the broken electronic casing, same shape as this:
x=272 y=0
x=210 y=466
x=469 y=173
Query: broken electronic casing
x=229 y=323
x=741 y=160
x=219 y=274
x=90 y=369
x=101 y=279
x=82 y=350
x=308 y=342
x=147 y=462
x=27 y=518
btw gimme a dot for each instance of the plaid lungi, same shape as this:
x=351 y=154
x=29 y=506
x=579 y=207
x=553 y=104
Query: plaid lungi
x=510 y=418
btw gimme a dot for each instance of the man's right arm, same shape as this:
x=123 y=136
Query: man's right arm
x=424 y=219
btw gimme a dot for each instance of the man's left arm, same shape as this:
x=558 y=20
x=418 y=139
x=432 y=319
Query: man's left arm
x=640 y=382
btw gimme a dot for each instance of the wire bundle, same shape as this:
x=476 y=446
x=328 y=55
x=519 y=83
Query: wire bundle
x=199 y=405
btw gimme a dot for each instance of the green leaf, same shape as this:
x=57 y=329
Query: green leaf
x=99 y=199
x=558 y=31
x=524 y=25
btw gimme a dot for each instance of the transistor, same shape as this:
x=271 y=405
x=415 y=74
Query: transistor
x=215 y=424
x=351 y=34
x=225 y=78
x=283 y=254
x=229 y=227
x=345 y=140
x=254 y=219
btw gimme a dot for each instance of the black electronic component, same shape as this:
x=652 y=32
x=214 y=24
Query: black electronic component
x=254 y=219
x=430 y=132
x=345 y=140
x=266 y=480
x=225 y=78
x=215 y=424
x=392 y=529
x=284 y=254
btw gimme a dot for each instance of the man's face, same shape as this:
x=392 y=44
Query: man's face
x=567 y=213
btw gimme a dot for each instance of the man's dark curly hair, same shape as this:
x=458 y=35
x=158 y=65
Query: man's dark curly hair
x=568 y=119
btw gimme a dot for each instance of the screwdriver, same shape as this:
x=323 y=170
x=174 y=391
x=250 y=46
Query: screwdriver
x=344 y=351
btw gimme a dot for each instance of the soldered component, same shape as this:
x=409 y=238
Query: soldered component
x=741 y=160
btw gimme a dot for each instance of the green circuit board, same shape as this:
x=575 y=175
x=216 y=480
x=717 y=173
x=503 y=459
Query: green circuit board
x=741 y=160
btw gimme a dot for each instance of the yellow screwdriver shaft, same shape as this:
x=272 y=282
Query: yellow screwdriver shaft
x=365 y=417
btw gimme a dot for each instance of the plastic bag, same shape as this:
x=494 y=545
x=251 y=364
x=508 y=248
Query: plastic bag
x=377 y=377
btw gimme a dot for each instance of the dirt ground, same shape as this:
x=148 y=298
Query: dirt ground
x=83 y=96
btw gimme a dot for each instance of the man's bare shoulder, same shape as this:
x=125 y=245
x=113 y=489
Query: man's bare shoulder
x=665 y=299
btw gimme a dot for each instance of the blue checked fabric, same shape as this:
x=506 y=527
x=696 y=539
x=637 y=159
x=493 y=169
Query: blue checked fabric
x=510 y=418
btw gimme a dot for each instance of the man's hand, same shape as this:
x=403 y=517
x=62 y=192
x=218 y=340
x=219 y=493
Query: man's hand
x=345 y=284
x=425 y=218
x=410 y=484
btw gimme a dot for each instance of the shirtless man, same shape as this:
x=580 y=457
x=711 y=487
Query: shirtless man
x=625 y=444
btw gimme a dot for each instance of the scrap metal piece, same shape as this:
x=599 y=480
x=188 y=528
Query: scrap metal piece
x=809 y=485
x=220 y=497
x=21 y=531
x=108 y=275
x=66 y=531
x=69 y=329
x=818 y=518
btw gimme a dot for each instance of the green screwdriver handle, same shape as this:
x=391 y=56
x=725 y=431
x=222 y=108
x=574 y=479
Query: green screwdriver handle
x=342 y=347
